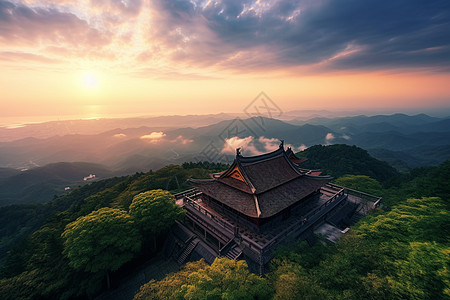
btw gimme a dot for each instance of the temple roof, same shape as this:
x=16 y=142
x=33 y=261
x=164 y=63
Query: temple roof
x=294 y=158
x=263 y=185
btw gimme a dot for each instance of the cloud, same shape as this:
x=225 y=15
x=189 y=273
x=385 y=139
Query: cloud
x=23 y=56
x=164 y=38
x=129 y=8
x=25 y=25
x=246 y=145
x=327 y=34
x=329 y=137
x=181 y=140
x=251 y=146
x=269 y=144
x=153 y=137
x=346 y=137
x=120 y=135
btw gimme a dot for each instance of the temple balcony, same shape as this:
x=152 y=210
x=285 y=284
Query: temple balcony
x=312 y=212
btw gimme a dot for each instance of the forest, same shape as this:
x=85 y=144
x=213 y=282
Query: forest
x=77 y=245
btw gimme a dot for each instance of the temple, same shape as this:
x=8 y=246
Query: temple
x=259 y=203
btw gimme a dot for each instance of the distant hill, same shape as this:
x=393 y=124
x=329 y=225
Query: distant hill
x=41 y=184
x=406 y=141
x=95 y=126
x=339 y=160
x=396 y=122
x=137 y=149
x=8 y=172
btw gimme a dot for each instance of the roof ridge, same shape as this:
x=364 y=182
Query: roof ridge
x=258 y=210
x=257 y=158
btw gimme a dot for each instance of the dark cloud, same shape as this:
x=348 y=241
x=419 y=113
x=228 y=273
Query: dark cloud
x=350 y=34
x=21 y=25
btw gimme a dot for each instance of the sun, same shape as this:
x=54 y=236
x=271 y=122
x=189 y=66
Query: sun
x=90 y=81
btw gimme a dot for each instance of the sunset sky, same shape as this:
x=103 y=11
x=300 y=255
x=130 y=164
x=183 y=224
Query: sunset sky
x=110 y=57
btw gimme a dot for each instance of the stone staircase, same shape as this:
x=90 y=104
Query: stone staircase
x=187 y=251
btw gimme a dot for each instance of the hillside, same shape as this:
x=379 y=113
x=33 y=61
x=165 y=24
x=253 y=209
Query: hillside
x=404 y=141
x=41 y=184
x=339 y=160
x=35 y=230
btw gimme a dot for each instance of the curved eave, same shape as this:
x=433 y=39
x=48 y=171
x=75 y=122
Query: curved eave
x=201 y=181
x=258 y=158
x=319 y=177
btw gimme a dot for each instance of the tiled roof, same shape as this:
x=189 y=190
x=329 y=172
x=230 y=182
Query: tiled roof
x=270 y=173
x=234 y=198
x=294 y=158
x=269 y=183
x=268 y=203
x=277 y=199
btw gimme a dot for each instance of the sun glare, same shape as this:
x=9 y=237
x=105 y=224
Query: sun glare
x=90 y=81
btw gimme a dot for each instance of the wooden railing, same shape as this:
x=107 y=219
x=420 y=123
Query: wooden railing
x=189 y=193
x=258 y=249
x=303 y=220
x=224 y=224
x=193 y=204
x=316 y=210
x=364 y=196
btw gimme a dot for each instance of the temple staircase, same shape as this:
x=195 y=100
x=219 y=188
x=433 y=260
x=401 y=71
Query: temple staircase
x=187 y=251
x=234 y=253
x=355 y=218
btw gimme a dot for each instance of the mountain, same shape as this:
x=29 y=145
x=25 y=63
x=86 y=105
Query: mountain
x=404 y=141
x=144 y=148
x=139 y=149
x=95 y=126
x=41 y=184
x=382 y=123
x=7 y=172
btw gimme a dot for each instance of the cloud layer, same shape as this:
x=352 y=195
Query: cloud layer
x=231 y=35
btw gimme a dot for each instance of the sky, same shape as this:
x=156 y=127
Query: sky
x=99 y=58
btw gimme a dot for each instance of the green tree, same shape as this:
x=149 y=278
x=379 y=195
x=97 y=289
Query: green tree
x=291 y=281
x=155 y=211
x=224 y=279
x=169 y=287
x=101 y=241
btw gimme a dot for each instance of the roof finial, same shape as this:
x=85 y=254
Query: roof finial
x=281 y=143
x=238 y=151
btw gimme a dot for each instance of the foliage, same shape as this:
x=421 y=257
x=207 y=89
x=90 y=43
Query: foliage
x=224 y=279
x=291 y=281
x=212 y=166
x=103 y=240
x=155 y=211
x=361 y=183
x=401 y=254
x=37 y=258
x=19 y=221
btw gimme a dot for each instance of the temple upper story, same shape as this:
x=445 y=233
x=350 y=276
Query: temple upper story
x=262 y=186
